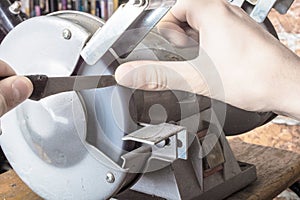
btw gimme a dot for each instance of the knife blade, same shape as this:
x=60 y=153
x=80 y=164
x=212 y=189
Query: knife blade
x=44 y=86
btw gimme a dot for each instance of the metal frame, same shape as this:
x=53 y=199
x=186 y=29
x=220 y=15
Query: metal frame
x=210 y=171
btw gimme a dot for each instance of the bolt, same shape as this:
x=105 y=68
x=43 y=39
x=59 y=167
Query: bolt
x=110 y=178
x=163 y=143
x=67 y=34
x=15 y=8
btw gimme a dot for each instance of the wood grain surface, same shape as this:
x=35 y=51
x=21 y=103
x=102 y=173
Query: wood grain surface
x=277 y=169
x=12 y=188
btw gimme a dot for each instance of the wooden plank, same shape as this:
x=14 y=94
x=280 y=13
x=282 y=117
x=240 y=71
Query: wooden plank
x=12 y=188
x=276 y=169
x=275 y=135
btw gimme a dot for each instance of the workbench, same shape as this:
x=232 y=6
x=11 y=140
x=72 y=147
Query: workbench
x=277 y=169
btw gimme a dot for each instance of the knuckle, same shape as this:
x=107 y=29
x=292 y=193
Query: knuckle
x=3 y=104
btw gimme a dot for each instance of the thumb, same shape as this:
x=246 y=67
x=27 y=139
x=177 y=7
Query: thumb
x=159 y=75
x=13 y=91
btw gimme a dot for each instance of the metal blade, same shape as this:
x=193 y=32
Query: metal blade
x=56 y=85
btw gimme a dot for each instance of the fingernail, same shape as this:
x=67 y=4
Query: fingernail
x=21 y=88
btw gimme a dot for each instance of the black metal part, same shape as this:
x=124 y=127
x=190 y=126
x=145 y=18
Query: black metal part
x=4 y=165
x=39 y=84
x=296 y=188
x=47 y=86
x=44 y=86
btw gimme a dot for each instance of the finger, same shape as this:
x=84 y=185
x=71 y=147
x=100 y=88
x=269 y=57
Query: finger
x=5 y=69
x=179 y=33
x=156 y=75
x=13 y=91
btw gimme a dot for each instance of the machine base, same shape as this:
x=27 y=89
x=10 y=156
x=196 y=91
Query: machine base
x=221 y=191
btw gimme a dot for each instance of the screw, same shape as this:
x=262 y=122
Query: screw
x=67 y=34
x=110 y=178
x=15 y=8
x=163 y=143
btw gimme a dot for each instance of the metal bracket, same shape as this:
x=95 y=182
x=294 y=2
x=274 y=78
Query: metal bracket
x=263 y=7
x=261 y=10
x=126 y=28
x=168 y=141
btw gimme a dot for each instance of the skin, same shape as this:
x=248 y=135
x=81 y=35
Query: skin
x=257 y=72
x=13 y=90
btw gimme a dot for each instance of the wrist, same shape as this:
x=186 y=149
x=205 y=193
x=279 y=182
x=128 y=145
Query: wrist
x=285 y=97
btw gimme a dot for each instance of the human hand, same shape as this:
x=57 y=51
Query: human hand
x=13 y=90
x=255 y=69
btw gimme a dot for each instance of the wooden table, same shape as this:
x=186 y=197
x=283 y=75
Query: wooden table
x=277 y=169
